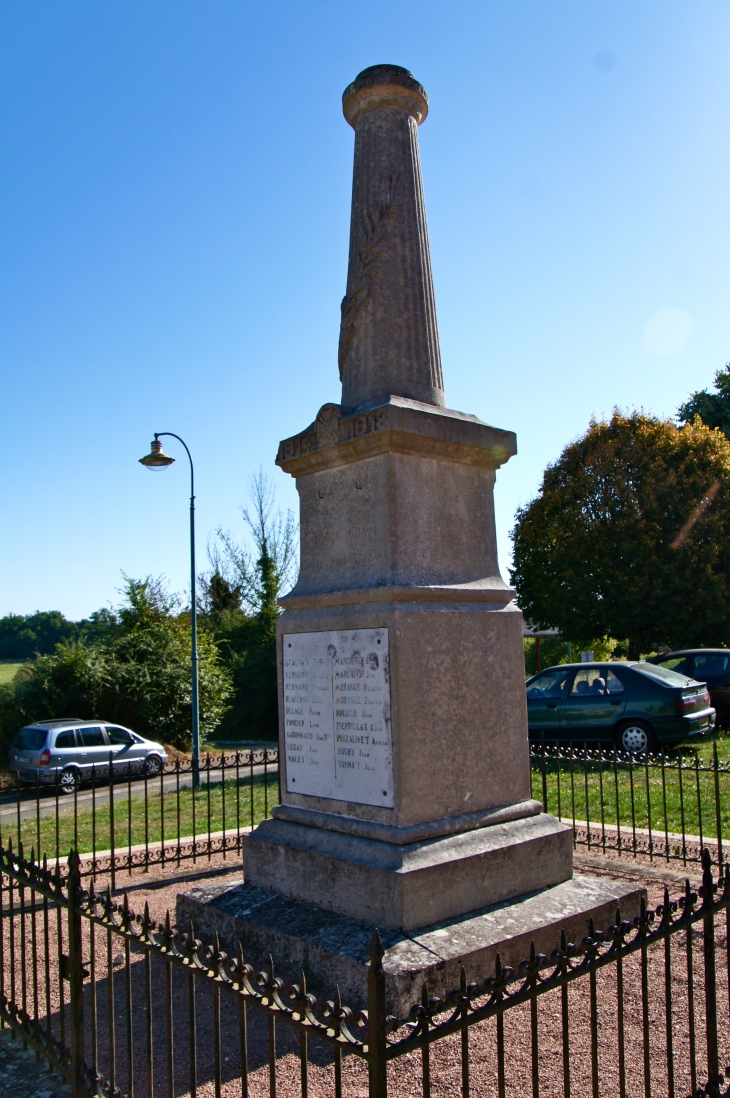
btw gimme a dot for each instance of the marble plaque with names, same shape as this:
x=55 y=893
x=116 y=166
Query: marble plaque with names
x=337 y=728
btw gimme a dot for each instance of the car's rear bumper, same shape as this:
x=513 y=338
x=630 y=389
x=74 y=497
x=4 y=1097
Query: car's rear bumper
x=679 y=728
x=29 y=775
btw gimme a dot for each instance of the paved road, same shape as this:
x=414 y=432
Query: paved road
x=85 y=797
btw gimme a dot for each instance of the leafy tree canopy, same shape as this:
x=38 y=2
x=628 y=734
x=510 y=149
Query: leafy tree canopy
x=627 y=536
x=712 y=408
x=23 y=636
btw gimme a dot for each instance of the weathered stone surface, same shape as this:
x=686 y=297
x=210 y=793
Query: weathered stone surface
x=22 y=1076
x=333 y=948
x=458 y=708
x=388 y=336
x=410 y=503
x=407 y=887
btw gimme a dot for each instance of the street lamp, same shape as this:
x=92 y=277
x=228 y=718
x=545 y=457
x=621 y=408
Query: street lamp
x=155 y=461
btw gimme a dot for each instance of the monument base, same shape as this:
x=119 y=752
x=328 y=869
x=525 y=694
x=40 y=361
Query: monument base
x=404 y=886
x=333 y=949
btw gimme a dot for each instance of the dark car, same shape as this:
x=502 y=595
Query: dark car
x=636 y=706
x=708 y=665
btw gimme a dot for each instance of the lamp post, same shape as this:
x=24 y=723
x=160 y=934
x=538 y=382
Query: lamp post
x=155 y=461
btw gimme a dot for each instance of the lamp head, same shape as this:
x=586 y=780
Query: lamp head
x=156 y=459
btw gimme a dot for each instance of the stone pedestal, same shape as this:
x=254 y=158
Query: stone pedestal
x=405 y=760
x=333 y=949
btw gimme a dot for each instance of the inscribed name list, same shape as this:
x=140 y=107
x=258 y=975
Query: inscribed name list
x=337 y=728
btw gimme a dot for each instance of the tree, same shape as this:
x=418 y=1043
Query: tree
x=274 y=537
x=138 y=675
x=240 y=601
x=712 y=408
x=22 y=636
x=627 y=536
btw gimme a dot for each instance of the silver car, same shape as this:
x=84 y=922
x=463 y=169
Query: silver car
x=69 y=752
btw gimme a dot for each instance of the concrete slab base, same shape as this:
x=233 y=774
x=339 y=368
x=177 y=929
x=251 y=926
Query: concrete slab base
x=333 y=949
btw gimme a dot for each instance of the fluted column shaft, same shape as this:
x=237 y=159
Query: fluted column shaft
x=388 y=337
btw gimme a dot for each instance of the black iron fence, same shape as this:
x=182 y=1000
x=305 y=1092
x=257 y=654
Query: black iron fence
x=658 y=806
x=122 y=818
x=661 y=806
x=121 y=1004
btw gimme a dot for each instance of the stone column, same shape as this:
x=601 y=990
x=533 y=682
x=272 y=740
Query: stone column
x=388 y=337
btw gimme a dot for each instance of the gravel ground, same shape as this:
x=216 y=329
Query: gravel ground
x=160 y=892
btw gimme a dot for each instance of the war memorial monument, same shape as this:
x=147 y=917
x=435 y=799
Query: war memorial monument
x=405 y=771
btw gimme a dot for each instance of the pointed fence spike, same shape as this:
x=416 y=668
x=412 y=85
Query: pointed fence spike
x=377 y=952
x=302 y=983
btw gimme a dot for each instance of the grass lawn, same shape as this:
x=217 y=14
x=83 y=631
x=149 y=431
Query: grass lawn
x=167 y=816
x=9 y=669
x=679 y=797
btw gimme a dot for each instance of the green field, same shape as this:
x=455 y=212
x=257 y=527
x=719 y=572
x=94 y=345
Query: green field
x=8 y=670
x=678 y=797
x=166 y=817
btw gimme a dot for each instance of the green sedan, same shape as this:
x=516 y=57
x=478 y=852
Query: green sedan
x=635 y=706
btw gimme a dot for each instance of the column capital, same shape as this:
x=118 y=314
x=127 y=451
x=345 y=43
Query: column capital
x=384 y=86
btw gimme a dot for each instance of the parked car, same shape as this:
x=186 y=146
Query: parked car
x=71 y=752
x=708 y=665
x=636 y=705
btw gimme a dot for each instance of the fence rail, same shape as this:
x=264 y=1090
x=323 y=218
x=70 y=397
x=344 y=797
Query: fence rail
x=656 y=806
x=660 y=806
x=120 y=1004
x=123 y=819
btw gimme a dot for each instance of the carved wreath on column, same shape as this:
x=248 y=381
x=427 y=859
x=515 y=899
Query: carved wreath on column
x=327 y=425
x=374 y=230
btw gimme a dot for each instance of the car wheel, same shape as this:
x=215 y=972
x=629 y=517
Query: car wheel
x=69 y=781
x=635 y=738
x=152 y=766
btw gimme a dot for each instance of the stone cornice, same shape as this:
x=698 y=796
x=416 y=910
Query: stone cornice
x=490 y=590
x=340 y=436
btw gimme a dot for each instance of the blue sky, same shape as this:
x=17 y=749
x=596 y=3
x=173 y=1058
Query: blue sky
x=174 y=205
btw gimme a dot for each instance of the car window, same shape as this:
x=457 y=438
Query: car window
x=547 y=685
x=590 y=682
x=709 y=665
x=677 y=663
x=66 y=739
x=613 y=683
x=119 y=735
x=29 y=739
x=92 y=737
x=662 y=674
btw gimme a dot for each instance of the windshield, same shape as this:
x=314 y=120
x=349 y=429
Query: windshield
x=655 y=671
x=547 y=685
x=30 y=739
